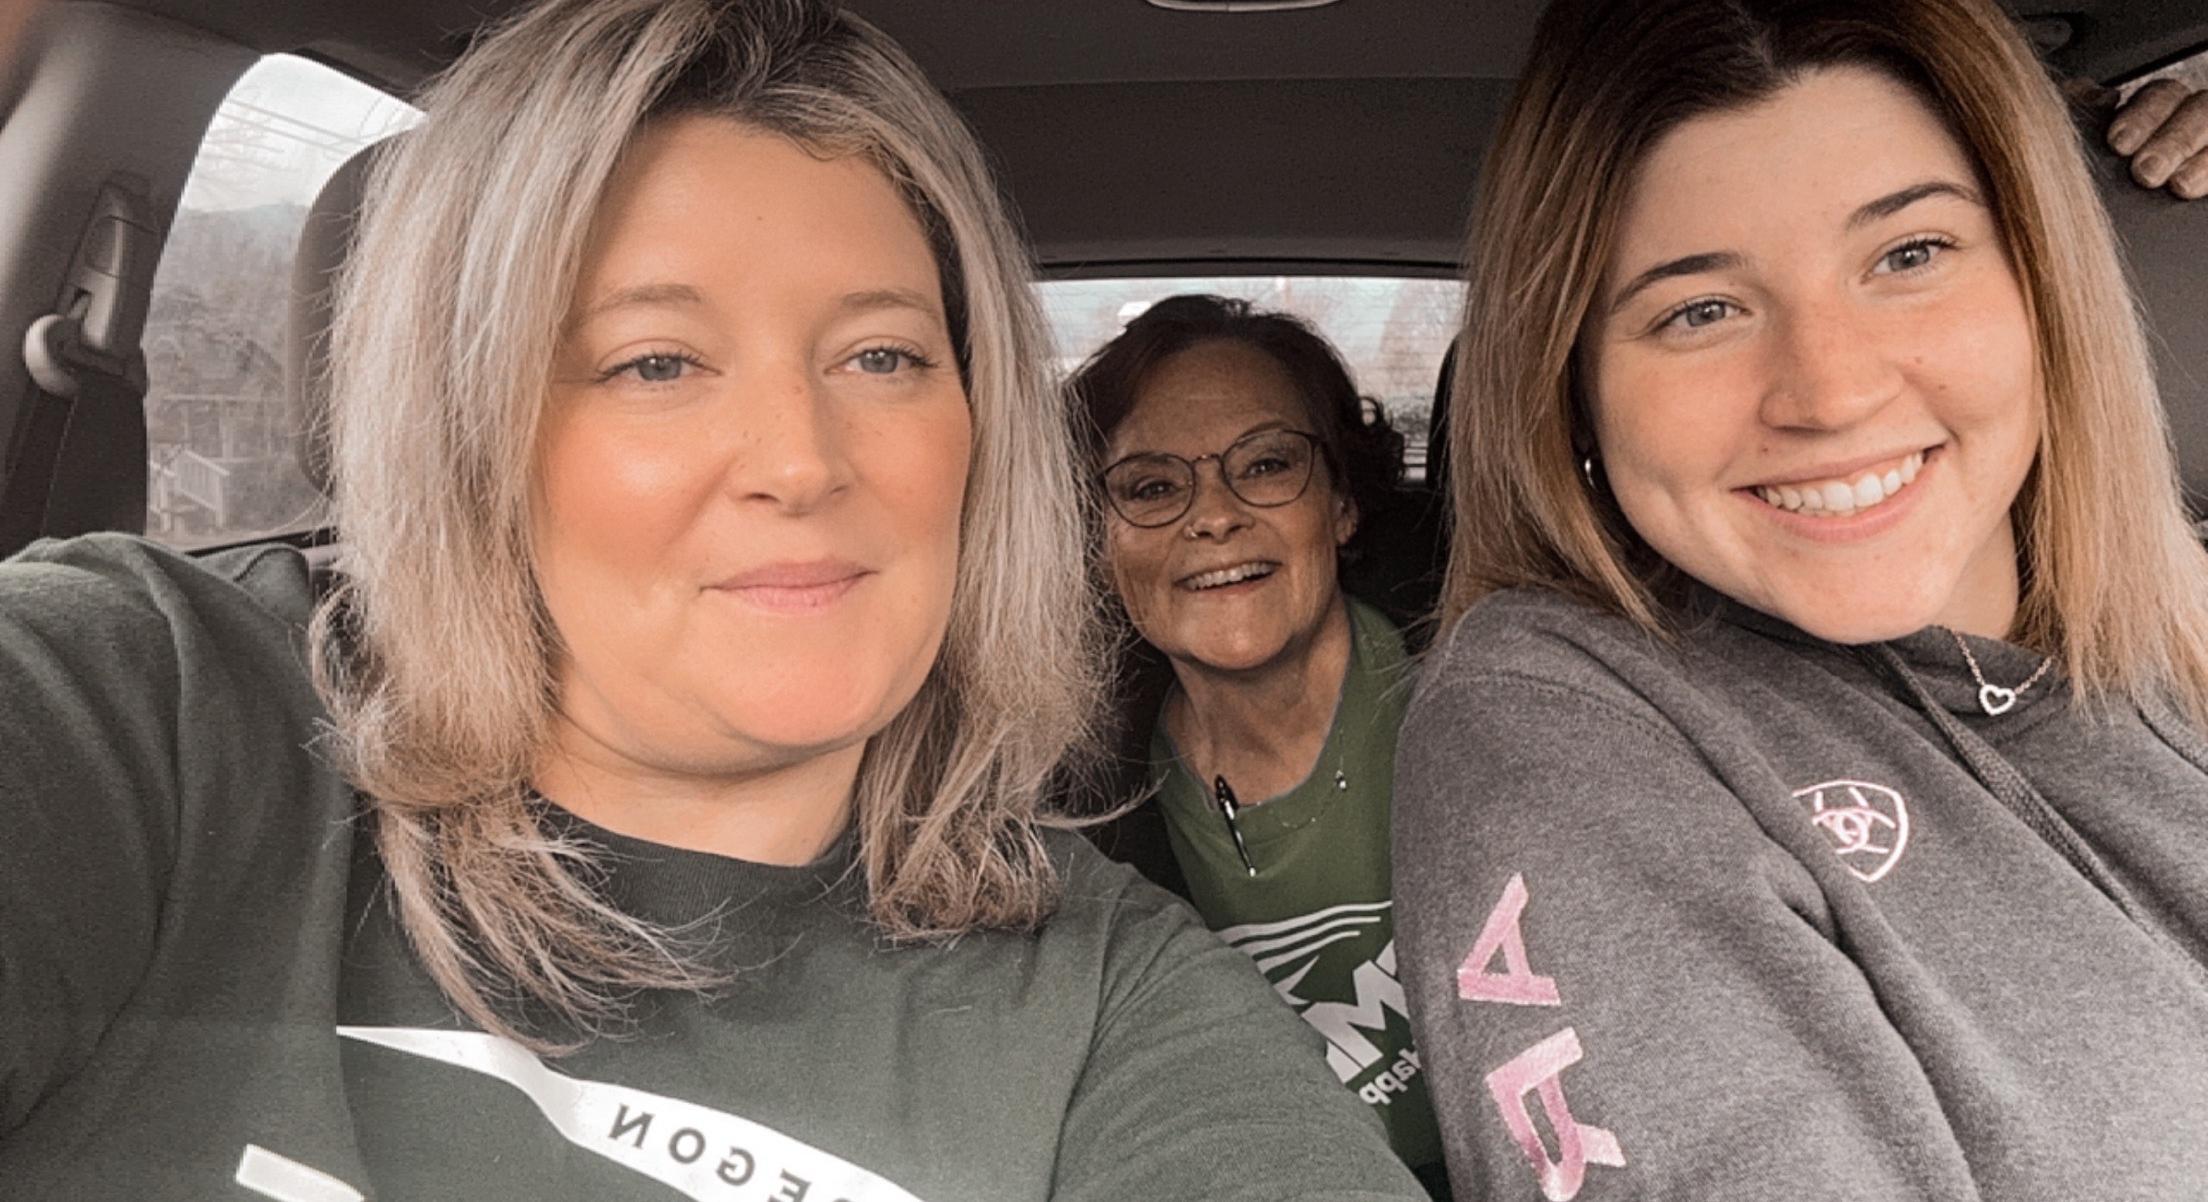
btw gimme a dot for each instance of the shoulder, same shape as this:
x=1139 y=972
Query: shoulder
x=121 y=578
x=1529 y=642
x=1098 y=891
x=1127 y=928
x=1539 y=712
x=1535 y=631
x=108 y=634
x=1379 y=639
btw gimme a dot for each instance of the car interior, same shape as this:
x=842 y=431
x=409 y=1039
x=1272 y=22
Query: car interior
x=179 y=182
x=177 y=178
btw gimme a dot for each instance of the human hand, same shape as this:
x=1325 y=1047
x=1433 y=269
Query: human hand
x=2163 y=130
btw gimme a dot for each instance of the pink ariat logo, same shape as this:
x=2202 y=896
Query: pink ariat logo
x=1536 y=1073
x=1868 y=824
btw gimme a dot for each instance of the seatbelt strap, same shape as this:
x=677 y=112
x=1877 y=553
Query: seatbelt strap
x=80 y=454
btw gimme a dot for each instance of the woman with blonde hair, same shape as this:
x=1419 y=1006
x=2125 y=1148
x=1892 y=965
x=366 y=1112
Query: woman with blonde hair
x=1805 y=796
x=660 y=817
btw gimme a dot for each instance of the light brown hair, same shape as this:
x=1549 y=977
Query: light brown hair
x=2114 y=582
x=436 y=657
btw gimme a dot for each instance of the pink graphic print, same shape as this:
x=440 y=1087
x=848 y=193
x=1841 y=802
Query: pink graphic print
x=1538 y=1070
x=1518 y=985
x=1868 y=824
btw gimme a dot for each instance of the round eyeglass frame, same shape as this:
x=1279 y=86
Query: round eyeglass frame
x=1219 y=457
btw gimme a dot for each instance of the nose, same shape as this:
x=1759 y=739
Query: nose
x=792 y=454
x=1214 y=512
x=1829 y=370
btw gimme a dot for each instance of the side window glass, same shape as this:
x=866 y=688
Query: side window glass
x=1391 y=331
x=222 y=454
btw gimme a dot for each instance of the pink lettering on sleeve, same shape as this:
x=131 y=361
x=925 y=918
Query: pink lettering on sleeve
x=1539 y=1069
x=1518 y=984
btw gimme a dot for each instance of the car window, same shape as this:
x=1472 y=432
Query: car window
x=1392 y=331
x=222 y=463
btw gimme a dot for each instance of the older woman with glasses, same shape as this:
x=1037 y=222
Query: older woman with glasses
x=1236 y=461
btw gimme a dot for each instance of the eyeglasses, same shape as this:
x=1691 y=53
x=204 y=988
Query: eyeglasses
x=1266 y=469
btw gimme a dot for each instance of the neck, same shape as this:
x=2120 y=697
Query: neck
x=1986 y=597
x=784 y=813
x=1262 y=728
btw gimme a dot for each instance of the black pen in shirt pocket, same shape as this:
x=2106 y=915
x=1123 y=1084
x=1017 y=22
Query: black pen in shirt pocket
x=1229 y=808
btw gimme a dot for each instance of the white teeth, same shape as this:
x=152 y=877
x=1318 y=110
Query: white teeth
x=1840 y=498
x=1225 y=576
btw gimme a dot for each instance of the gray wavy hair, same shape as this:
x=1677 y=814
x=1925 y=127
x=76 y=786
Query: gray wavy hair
x=436 y=654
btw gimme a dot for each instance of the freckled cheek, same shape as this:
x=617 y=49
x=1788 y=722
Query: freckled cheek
x=1138 y=572
x=617 y=496
x=1978 y=361
x=1663 y=433
x=1313 y=539
x=918 y=467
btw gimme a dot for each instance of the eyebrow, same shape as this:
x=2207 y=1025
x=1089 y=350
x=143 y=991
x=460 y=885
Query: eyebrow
x=1264 y=427
x=1895 y=202
x=876 y=299
x=1688 y=265
x=1885 y=206
x=670 y=295
x=640 y=296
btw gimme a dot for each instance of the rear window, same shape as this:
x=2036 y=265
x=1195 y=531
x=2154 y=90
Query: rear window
x=1392 y=331
x=222 y=453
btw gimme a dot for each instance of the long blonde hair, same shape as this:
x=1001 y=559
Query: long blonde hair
x=2114 y=582
x=436 y=656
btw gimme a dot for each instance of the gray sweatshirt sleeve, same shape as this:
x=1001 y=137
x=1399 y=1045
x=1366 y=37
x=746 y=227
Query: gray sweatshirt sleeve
x=1620 y=986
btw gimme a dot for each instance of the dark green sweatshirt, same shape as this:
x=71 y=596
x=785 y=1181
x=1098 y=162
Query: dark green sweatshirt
x=203 y=993
x=1759 y=917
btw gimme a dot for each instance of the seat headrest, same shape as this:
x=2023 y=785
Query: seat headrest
x=324 y=244
x=2165 y=242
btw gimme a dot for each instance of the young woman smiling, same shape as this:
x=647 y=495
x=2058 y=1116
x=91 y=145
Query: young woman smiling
x=713 y=616
x=1806 y=797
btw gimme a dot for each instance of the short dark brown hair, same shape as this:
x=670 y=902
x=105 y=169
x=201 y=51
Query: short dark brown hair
x=1364 y=453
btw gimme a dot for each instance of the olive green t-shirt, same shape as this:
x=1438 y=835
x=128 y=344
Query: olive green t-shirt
x=1316 y=917
x=205 y=994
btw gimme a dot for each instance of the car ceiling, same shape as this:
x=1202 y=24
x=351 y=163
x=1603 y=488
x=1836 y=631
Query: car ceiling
x=1134 y=138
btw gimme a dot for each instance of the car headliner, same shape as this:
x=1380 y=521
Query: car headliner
x=1135 y=138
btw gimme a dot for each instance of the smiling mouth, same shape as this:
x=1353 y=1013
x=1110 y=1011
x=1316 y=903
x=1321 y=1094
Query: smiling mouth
x=1240 y=573
x=1841 y=497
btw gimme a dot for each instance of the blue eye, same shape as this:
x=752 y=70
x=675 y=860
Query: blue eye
x=659 y=367
x=1912 y=256
x=887 y=360
x=1698 y=314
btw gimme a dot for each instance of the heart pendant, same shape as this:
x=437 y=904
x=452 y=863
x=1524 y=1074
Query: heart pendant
x=1995 y=700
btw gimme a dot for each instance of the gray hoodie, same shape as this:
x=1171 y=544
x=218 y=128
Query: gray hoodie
x=1755 y=916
